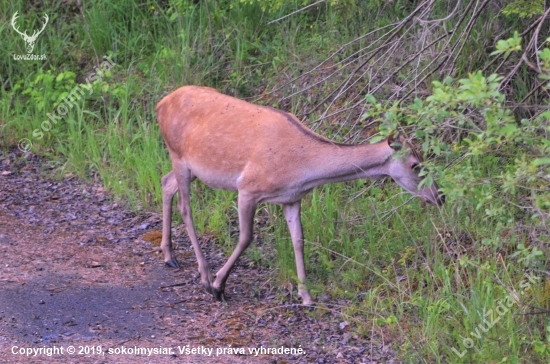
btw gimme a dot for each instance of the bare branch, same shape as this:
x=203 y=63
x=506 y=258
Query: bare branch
x=296 y=12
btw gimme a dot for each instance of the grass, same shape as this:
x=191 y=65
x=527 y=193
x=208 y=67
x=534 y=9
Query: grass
x=425 y=277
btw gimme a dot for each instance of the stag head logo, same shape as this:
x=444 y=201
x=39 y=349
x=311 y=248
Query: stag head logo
x=29 y=40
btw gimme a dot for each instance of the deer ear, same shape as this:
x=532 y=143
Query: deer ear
x=395 y=142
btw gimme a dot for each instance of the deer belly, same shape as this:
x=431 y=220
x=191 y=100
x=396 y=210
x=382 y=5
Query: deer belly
x=219 y=178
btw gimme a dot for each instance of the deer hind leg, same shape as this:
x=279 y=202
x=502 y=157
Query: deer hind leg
x=247 y=209
x=184 y=178
x=169 y=189
x=292 y=215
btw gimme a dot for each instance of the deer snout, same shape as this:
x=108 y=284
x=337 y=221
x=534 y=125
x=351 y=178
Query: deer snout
x=436 y=199
x=432 y=195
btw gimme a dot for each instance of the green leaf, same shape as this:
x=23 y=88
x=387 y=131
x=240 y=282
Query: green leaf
x=508 y=130
x=541 y=161
x=420 y=133
x=370 y=99
x=448 y=80
x=376 y=139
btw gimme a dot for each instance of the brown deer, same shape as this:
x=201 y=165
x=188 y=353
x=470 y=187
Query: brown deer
x=266 y=155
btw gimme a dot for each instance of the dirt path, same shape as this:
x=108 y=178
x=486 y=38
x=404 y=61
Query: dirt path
x=76 y=272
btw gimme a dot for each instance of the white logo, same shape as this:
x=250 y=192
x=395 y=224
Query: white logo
x=29 y=40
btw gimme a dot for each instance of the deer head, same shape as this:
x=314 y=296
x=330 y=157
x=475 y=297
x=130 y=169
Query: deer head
x=29 y=40
x=405 y=172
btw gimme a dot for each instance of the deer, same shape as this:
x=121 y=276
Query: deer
x=267 y=156
x=29 y=40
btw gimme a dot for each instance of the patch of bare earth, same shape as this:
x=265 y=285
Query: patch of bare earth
x=76 y=271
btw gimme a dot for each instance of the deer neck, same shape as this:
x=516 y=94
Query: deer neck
x=338 y=163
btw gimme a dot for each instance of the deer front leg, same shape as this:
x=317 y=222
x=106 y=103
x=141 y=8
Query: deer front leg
x=169 y=189
x=247 y=209
x=292 y=214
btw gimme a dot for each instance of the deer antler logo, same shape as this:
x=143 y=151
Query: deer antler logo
x=29 y=39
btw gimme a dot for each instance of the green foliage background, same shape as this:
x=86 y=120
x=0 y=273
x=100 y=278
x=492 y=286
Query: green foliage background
x=428 y=278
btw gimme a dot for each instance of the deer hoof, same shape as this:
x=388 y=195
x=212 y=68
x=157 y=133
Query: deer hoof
x=306 y=297
x=309 y=304
x=218 y=294
x=207 y=287
x=172 y=263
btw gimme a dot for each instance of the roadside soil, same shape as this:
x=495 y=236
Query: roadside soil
x=78 y=269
